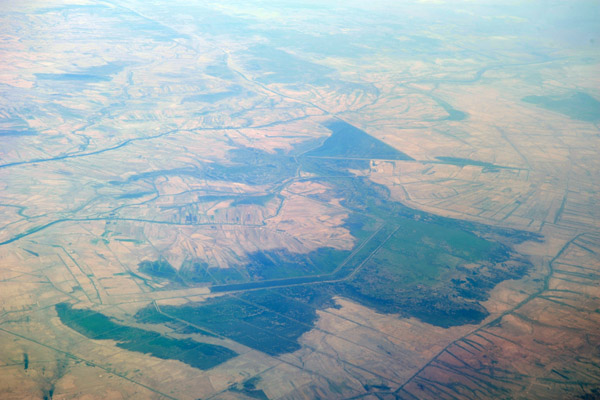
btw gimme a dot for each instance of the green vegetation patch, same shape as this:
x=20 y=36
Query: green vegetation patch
x=270 y=321
x=159 y=269
x=261 y=319
x=432 y=272
x=433 y=268
x=128 y=240
x=281 y=263
x=249 y=389
x=97 y=326
x=194 y=271
x=226 y=275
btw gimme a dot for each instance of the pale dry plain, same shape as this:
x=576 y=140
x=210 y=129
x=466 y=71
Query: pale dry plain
x=124 y=163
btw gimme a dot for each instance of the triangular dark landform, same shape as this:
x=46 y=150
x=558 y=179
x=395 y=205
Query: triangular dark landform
x=347 y=141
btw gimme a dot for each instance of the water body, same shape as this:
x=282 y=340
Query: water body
x=214 y=97
x=101 y=73
x=73 y=77
x=580 y=106
x=453 y=114
x=134 y=195
x=17 y=132
x=15 y=126
x=461 y=162
x=347 y=141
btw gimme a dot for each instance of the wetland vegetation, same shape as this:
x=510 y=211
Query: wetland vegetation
x=406 y=262
x=264 y=320
x=97 y=326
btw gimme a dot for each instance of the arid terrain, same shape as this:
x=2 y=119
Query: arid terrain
x=299 y=200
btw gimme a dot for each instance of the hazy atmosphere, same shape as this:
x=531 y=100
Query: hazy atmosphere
x=299 y=199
